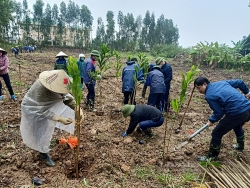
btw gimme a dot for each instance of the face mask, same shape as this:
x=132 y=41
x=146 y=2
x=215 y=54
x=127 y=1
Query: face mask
x=82 y=58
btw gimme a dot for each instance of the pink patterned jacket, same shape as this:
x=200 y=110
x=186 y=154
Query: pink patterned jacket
x=4 y=63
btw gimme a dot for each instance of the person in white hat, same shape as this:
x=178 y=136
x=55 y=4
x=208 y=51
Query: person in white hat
x=4 y=64
x=81 y=66
x=61 y=62
x=45 y=106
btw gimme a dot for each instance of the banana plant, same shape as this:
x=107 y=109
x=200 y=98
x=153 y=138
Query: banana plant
x=75 y=86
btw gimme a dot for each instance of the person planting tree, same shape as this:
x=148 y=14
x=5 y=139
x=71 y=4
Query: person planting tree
x=155 y=80
x=45 y=106
x=230 y=108
x=128 y=82
x=90 y=67
x=166 y=69
x=147 y=117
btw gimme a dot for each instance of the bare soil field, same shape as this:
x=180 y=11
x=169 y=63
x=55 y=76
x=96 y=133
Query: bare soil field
x=106 y=159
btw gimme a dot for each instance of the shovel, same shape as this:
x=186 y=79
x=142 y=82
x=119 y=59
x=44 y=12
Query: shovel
x=190 y=137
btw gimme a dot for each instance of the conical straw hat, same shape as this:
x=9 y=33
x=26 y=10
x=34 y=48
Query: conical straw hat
x=56 y=81
x=61 y=54
x=4 y=52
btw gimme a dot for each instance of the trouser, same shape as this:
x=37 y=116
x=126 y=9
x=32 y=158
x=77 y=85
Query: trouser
x=6 y=79
x=165 y=101
x=229 y=123
x=155 y=100
x=149 y=123
x=91 y=92
x=129 y=95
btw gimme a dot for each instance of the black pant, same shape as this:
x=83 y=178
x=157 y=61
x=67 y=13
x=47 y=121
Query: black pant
x=6 y=79
x=229 y=123
x=91 y=91
x=129 y=95
x=155 y=100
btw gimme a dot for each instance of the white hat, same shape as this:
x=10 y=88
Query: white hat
x=4 y=52
x=56 y=81
x=61 y=54
x=81 y=55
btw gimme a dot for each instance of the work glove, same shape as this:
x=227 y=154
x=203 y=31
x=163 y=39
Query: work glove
x=69 y=100
x=124 y=134
x=209 y=123
x=63 y=120
x=98 y=77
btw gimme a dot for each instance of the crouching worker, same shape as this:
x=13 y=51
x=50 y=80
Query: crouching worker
x=147 y=117
x=45 y=106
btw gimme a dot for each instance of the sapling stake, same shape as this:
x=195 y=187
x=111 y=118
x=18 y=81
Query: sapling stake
x=177 y=130
x=165 y=131
x=19 y=70
x=75 y=86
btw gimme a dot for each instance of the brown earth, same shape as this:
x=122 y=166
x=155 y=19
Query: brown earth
x=106 y=159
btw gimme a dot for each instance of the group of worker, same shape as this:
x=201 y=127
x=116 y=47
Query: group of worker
x=49 y=104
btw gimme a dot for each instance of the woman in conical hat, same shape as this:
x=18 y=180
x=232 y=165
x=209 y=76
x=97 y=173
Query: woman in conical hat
x=61 y=62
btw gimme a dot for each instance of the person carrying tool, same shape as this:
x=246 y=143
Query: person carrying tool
x=90 y=67
x=166 y=69
x=61 y=62
x=128 y=82
x=230 y=108
x=155 y=80
x=147 y=117
x=45 y=106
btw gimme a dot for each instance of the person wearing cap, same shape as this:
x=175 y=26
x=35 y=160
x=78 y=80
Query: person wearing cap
x=145 y=115
x=128 y=82
x=15 y=50
x=166 y=69
x=4 y=64
x=61 y=62
x=90 y=81
x=155 y=80
x=230 y=107
x=45 y=106
x=81 y=66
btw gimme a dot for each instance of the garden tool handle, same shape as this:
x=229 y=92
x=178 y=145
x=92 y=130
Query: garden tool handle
x=198 y=131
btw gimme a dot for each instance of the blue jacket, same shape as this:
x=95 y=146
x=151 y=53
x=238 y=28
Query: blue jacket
x=81 y=66
x=128 y=73
x=224 y=98
x=155 y=80
x=167 y=72
x=90 y=66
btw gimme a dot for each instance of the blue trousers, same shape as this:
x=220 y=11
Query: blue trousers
x=91 y=91
x=155 y=100
x=229 y=123
x=149 y=123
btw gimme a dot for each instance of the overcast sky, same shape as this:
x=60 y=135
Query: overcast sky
x=197 y=20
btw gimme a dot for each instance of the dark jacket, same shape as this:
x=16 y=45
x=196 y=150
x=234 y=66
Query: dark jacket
x=90 y=66
x=167 y=72
x=128 y=73
x=81 y=66
x=61 y=64
x=143 y=113
x=224 y=98
x=155 y=80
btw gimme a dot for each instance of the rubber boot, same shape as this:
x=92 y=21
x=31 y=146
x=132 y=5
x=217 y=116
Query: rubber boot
x=47 y=159
x=148 y=133
x=92 y=105
x=240 y=143
x=212 y=154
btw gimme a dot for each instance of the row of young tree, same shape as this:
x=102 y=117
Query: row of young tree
x=133 y=33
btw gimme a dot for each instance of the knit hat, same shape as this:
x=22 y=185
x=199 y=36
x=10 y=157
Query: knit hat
x=127 y=110
x=4 y=52
x=95 y=53
x=159 y=60
x=56 y=81
x=61 y=54
x=81 y=55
